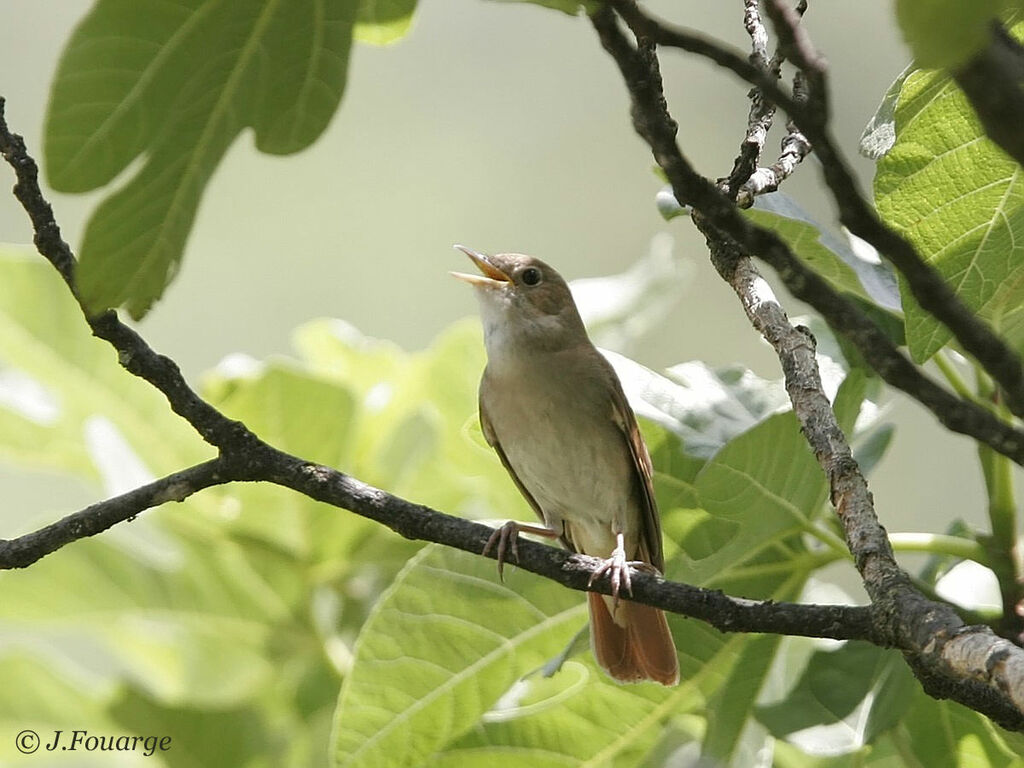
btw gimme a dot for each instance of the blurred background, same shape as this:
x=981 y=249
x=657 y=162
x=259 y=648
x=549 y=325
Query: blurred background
x=503 y=126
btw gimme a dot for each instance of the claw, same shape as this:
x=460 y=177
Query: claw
x=503 y=538
x=507 y=537
x=617 y=568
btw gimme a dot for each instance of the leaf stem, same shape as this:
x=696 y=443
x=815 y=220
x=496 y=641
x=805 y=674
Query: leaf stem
x=1001 y=544
x=948 y=369
x=940 y=544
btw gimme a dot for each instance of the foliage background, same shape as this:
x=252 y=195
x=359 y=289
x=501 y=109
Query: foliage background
x=497 y=125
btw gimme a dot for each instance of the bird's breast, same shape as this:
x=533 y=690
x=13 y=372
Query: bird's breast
x=558 y=434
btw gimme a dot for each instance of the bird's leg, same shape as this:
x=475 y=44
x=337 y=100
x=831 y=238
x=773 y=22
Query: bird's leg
x=617 y=568
x=507 y=537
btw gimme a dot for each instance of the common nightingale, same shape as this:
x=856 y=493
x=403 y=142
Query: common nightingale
x=553 y=409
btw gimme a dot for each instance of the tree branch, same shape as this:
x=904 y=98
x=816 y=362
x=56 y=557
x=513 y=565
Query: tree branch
x=747 y=181
x=762 y=110
x=927 y=285
x=925 y=630
x=96 y=518
x=657 y=128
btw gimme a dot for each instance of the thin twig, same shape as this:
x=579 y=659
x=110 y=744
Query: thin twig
x=747 y=181
x=762 y=110
x=25 y=550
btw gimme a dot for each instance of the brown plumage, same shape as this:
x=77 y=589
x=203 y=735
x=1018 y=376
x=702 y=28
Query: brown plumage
x=554 y=411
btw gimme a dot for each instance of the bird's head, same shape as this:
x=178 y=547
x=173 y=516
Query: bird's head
x=523 y=302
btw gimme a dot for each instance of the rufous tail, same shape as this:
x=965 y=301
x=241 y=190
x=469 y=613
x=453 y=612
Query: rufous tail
x=637 y=647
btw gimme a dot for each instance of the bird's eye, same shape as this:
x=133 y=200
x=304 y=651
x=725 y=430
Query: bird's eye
x=531 y=276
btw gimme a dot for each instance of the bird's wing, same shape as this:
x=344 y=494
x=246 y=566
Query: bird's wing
x=650 y=533
x=492 y=440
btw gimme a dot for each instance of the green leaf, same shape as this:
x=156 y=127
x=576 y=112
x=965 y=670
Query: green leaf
x=382 y=22
x=159 y=612
x=943 y=734
x=64 y=400
x=744 y=667
x=843 y=700
x=575 y=717
x=730 y=710
x=435 y=685
x=880 y=133
x=442 y=645
x=945 y=33
x=824 y=252
x=48 y=701
x=704 y=407
x=759 y=491
x=140 y=78
x=960 y=201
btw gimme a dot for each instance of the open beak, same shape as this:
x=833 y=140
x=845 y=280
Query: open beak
x=492 y=277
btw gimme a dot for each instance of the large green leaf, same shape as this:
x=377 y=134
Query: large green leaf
x=446 y=674
x=944 y=734
x=829 y=255
x=442 y=645
x=65 y=402
x=843 y=700
x=176 y=83
x=763 y=488
x=158 y=614
x=944 y=33
x=960 y=201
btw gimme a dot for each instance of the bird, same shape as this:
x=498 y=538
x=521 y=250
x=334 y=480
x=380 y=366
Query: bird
x=554 y=411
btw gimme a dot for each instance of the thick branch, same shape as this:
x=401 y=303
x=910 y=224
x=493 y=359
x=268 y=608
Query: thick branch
x=414 y=521
x=917 y=625
x=993 y=81
x=261 y=462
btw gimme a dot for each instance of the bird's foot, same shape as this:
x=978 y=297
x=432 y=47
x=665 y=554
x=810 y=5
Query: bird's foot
x=506 y=539
x=617 y=567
